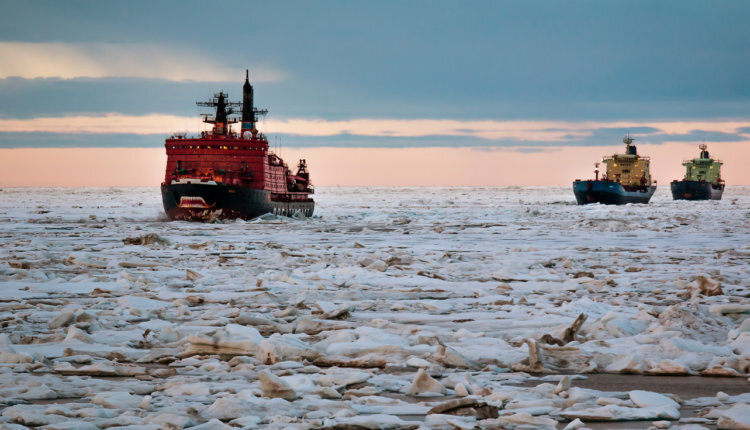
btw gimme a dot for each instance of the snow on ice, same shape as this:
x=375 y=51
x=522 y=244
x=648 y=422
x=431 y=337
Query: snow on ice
x=390 y=308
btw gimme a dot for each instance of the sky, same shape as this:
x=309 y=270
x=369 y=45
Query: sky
x=377 y=93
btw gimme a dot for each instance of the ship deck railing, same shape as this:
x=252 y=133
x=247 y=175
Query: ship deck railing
x=228 y=136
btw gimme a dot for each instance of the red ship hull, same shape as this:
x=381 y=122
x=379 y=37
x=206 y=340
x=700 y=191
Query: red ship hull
x=209 y=178
x=203 y=202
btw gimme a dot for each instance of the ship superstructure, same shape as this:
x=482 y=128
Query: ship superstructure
x=627 y=179
x=702 y=179
x=223 y=174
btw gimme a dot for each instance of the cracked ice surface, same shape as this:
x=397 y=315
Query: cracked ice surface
x=387 y=303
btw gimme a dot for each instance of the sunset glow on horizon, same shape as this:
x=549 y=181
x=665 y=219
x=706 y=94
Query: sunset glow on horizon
x=430 y=166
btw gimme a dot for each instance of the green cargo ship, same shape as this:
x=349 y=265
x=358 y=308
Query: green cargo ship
x=702 y=179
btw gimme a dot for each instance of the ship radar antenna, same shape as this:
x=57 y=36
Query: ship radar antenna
x=630 y=149
x=704 y=150
x=224 y=114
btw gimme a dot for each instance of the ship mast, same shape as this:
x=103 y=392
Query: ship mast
x=627 y=140
x=249 y=112
x=224 y=109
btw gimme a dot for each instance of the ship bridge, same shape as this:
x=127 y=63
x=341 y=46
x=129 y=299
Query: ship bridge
x=703 y=168
x=628 y=169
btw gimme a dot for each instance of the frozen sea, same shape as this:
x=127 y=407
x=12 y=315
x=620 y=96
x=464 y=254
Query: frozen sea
x=389 y=308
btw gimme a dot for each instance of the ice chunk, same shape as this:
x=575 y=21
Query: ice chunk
x=669 y=367
x=520 y=420
x=214 y=424
x=377 y=266
x=417 y=362
x=440 y=421
x=620 y=413
x=187 y=389
x=461 y=390
x=141 y=305
x=375 y=421
x=645 y=399
x=563 y=385
x=170 y=420
x=574 y=425
x=8 y=354
x=631 y=363
x=116 y=400
x=466 y=407
x=64 y=318
x=75 y=334
x=267 y=352
x=168 y=334
x=273 y=386
x=227 y=408
x=451 y=358
x=736 y=417
x=424 y=384
x=382 y=405
x=30 y=415
x=234 y=339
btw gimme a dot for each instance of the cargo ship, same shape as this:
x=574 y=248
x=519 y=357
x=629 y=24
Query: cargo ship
x=225 y=175
x=626 y=180
x=702 y=179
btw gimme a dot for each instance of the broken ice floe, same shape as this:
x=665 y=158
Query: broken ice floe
x=439 y=308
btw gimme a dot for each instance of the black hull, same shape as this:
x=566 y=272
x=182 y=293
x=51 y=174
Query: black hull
x=610 y=193
x=202 y=202
x=695 y=190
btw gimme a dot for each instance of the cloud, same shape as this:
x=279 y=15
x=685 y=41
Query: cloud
x=99 y=60
x=524 y=131
x=302 y=95
x=486 y=129
x=107 y=123
x=698 y=136
x=518 y=149
x=80 y=140
x=376 y=132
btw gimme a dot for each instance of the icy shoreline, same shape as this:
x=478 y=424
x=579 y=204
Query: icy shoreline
x=386 y=295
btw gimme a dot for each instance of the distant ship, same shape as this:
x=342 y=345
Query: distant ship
x=225 y=175
x=627 y=180
x=702 y=179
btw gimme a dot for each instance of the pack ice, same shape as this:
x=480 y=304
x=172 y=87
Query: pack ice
x=391 y=308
